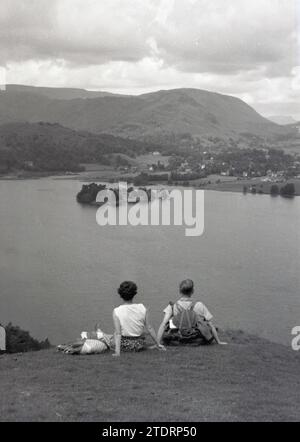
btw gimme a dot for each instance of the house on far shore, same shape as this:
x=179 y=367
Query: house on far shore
x=156 y=154
x=29 y=164
x=225 y=173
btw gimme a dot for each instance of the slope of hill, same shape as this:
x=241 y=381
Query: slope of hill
x=249 y=380
x=154 y=115
x=46 y=146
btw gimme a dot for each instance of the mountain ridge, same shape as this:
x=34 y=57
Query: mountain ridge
x=163 y=113
x=58 y=93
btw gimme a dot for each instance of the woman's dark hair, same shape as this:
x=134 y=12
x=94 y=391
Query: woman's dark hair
x=127 y=290
x=186 y=287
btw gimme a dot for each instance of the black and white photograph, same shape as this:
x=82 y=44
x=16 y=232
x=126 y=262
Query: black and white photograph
x=149 y=214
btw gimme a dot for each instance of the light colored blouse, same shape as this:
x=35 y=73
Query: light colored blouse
x=132 y=318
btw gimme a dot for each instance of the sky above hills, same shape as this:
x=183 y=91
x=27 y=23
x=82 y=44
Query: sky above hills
x=247 y=49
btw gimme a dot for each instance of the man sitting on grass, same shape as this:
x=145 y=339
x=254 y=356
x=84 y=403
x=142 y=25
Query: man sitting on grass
x=187 y=322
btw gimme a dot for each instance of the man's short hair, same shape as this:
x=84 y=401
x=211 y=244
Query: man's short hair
x=186 y=287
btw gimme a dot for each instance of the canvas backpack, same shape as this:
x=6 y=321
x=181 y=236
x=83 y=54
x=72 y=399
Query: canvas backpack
x=185 y=319
x=190 y=327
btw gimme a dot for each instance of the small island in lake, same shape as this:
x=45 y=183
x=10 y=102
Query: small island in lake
x=89 y=192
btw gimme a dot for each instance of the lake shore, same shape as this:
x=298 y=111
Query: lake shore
x=105 y=175
x=251 y=379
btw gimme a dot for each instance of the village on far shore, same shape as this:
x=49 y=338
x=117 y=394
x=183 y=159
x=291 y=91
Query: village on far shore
x=248 y=164
x=257 y=171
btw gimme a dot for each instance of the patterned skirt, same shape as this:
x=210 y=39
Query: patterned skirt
x=133 y=344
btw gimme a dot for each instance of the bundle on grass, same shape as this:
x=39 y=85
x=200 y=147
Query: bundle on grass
x=90 y=343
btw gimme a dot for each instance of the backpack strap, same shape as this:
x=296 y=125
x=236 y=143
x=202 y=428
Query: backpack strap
x=182 y=313
x=171 y=304
x=188 y=318
x=191 y=308
x=178 y=308
x=192 y=305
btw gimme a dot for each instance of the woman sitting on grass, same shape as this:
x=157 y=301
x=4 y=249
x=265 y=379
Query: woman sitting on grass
x=130 y=321
x=187 y=321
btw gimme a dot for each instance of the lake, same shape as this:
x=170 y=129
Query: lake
x=59 y=271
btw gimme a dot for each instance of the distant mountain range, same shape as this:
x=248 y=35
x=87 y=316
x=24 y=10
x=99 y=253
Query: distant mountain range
x=56 y=93
x=152 y=116
x=282 y=119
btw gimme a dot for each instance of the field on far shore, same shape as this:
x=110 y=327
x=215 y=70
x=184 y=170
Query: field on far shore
x=251 y=379
x=230 y=184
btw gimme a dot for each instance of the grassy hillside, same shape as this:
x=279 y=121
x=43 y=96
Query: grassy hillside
x=158 y=114
x=45 y=146
x=249 y=380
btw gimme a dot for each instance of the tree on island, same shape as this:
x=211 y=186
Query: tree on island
x=89 y=192
x=288 y=190
x=141 y=180
x=274 y=191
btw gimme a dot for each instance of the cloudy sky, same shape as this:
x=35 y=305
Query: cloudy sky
x=250 y=49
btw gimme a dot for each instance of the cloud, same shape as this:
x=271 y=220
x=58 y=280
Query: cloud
x=27 y=29
x=193 y=36
x=247 y=49
x=230 y=36
x=80 y=32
